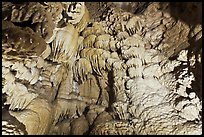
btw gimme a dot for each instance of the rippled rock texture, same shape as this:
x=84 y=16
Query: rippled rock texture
x=101 y=68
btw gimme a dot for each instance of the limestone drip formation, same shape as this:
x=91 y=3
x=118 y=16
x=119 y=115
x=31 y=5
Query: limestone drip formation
x=101 y=68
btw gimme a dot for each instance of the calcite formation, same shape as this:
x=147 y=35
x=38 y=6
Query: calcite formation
x=102 y=68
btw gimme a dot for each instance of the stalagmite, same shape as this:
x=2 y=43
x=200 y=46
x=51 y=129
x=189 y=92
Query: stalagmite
x=103 y=68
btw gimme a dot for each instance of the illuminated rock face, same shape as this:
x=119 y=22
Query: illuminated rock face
x=69 y=69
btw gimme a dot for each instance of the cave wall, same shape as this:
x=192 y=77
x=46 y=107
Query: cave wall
x=124 y=68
